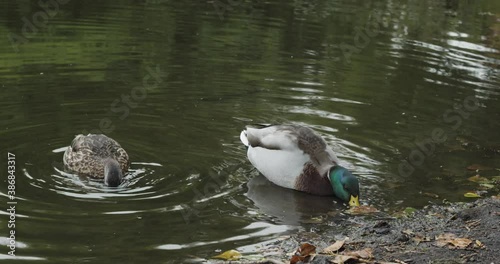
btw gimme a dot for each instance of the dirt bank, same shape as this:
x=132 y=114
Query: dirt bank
x=455 y=233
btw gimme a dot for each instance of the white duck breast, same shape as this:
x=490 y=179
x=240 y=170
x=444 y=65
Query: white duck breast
x=282 y=167
x=289 y=156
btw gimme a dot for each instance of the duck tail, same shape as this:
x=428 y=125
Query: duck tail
x=243 y=138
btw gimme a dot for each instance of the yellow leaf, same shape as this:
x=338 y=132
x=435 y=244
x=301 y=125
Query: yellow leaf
x=487 y=185
x=479 y=179
x=229 y=255
x=472 y=195
x=478 y=244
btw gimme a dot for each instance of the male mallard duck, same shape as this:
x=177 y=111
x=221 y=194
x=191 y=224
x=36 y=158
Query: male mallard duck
x=97 y=156
x=295 y=157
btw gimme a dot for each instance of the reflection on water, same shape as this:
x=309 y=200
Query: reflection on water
x=288 y=206
x=190 y=190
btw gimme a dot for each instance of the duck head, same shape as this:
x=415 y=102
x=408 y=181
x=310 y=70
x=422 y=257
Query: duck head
x=112 y=173
x=345 y=185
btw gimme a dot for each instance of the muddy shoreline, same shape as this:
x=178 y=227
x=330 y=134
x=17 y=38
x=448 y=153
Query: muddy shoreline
x=454 y=233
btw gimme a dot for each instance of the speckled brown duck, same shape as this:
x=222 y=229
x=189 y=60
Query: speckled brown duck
x=97 y=156
x=295 y=157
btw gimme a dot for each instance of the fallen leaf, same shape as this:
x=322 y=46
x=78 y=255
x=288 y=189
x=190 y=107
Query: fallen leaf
x=294 y=259
x=478 y=244
x=477 y=178
x=405 y=213
x=364 y=253
x=461 y=242
x=341 y=259
x=432 y=195
x=303 y=253
x=409 y=210
x=478 y=167
x=472 y=195
x=229 y=255
x=487 y=186
x=307 y=249
x=361 y=210
x=442 y=240
x=407 y=232
x=449 y=238
x=314 y=220
x=495 y=178
x=334 y=247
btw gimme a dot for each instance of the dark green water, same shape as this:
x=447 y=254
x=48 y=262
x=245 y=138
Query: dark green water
x=175 y=82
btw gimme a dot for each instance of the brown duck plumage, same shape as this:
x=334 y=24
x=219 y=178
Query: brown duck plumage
x=89 y=155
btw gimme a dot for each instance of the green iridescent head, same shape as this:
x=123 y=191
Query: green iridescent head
x=345 y=185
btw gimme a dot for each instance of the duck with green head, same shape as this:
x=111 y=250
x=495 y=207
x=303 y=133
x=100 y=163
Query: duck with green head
x=97 y=156
x=295 y=157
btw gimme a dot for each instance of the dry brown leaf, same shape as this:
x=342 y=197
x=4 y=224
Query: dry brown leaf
x=361 y=210
x=451 y=239
x=407 y=232
x=303 y=252
x=478 y=167
x=294 y=259
x=334 y=247
x=364 y=253
x=341 y=259
x=307 y=249
x=461 y=242
x=432 y=195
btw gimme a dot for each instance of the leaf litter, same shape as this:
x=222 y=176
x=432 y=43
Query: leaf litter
x=462 y=231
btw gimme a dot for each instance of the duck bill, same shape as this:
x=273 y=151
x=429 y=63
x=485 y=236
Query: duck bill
x=354 y=201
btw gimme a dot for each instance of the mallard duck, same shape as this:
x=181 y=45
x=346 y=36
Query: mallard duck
x=295 y=157
x=97 y=156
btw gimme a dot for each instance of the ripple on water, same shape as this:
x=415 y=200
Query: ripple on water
x=262 y=229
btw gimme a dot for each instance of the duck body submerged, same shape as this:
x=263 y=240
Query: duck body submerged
x=97 y=156
x=295 y=157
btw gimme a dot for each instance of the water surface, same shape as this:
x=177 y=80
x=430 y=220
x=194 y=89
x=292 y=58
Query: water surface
x=175 y=82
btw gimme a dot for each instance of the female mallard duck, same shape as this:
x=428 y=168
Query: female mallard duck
x=97 y=156
x=295 y=157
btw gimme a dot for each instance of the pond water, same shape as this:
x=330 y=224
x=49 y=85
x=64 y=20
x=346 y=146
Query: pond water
x=407 y=93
